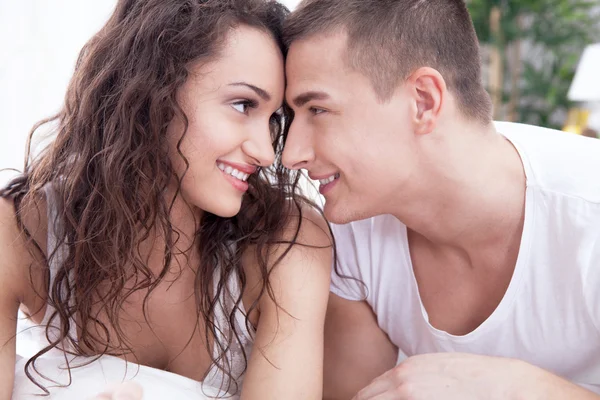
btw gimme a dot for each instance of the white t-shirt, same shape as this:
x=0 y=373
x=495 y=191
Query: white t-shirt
x=550 y=313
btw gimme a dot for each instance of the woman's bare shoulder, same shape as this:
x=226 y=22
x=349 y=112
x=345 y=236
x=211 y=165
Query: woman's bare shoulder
x=305 y=227
x=21 y=259
x=304 y=241
x=313 y=228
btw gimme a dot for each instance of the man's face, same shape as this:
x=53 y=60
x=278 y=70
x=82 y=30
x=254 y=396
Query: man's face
x=361 y=149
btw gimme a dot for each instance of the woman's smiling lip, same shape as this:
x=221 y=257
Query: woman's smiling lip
x=238 y=184
x=245 y=168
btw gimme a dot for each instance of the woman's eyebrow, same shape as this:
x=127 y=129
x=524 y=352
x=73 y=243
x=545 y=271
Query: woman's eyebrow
x=261 y=92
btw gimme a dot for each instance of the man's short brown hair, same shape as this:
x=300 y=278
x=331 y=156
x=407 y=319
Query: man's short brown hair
x=390 y=39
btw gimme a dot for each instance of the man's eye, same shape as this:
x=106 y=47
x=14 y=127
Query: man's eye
x=316 y=111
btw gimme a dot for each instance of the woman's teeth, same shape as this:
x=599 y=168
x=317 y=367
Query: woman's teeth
x=329 y=180
x=233 y=172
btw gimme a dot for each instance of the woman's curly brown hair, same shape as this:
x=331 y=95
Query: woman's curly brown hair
x=110 y=169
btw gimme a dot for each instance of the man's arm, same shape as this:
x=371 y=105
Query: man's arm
x=356 y=349
x=455 y=376
x=546 y=385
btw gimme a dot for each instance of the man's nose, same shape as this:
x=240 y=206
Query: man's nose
x=298 y=150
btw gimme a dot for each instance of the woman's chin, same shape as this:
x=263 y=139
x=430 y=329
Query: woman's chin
x=226 y=209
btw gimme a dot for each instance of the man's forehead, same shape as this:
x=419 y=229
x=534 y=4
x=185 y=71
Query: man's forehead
x=326 y=47
x=308 y=78
x=318 y=60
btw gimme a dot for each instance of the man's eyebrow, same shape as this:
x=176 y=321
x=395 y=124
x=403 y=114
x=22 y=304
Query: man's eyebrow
x=261 y=92
x=304 y=98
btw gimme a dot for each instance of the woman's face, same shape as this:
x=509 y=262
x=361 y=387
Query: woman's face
x=229 y=103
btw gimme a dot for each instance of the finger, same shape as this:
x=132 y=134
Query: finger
x=389 y=396
x=106 y=394
x=102 y=396
x=128 y=391
x=378 y=387
x=383 y=396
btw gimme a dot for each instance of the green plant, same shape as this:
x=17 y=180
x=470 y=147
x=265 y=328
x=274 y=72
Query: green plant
x=538 y=44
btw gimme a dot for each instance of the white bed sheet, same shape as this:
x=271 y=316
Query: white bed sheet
x=91 y=379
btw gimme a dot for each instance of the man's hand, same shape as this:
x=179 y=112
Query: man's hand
x=454 y=376
x=124 y=391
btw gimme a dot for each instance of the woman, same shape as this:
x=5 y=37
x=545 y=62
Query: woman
x=154 y=228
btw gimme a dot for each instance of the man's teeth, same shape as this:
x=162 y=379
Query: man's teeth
x=329 y=180
x=233 y=172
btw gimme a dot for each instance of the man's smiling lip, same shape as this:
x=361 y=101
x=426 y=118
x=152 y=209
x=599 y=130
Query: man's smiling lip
x=319 y=177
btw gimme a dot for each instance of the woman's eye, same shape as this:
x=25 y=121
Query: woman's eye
x=243 y=106
x=240 y=107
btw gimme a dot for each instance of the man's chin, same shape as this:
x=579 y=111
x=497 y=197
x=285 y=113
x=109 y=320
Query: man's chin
x=341 y=214
x=336 y=213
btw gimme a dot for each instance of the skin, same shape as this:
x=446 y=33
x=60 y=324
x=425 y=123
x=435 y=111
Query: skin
x=240 y=92
x=229 y=102
x=416 y=157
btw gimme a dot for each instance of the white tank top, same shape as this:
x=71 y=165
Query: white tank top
x=216 y=382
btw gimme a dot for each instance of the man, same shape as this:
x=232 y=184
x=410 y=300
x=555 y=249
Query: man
x=474 y=246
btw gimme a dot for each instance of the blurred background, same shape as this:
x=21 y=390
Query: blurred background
x=540 y=62
x=531 y=50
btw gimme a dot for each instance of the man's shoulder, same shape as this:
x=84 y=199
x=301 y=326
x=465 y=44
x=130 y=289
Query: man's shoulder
x=557 y=162
x=383 y=235
x=372 y=252
x=373 y=227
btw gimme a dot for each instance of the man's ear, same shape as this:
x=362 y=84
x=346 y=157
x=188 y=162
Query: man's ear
x=428 y=90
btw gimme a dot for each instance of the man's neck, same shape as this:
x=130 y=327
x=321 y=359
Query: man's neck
x=470 y=195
